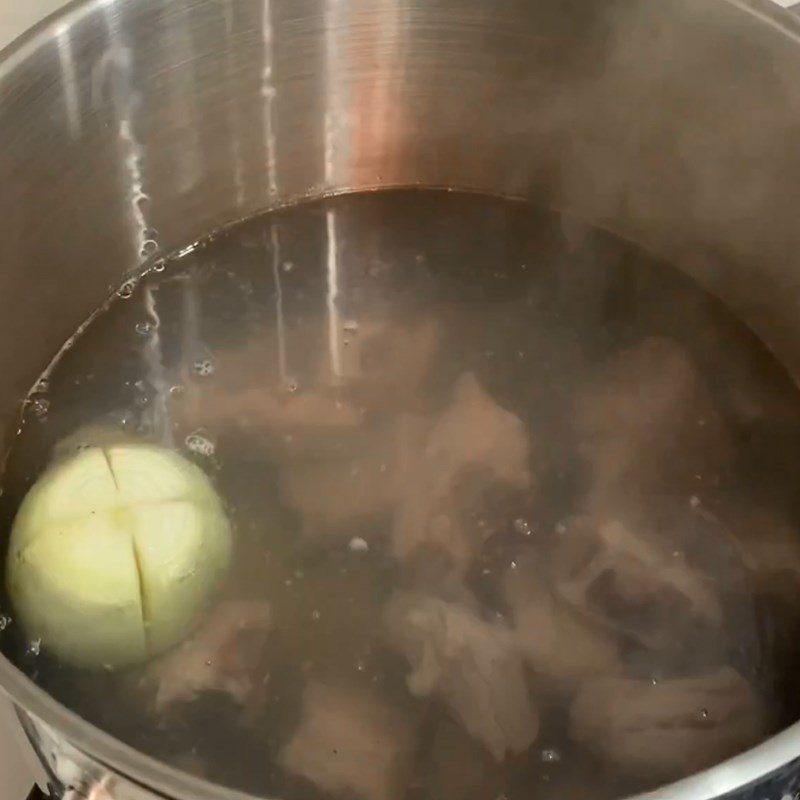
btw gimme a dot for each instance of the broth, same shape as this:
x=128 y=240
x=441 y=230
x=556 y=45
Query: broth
x=514 y=506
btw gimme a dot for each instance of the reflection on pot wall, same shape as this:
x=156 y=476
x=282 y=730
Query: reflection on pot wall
x=140 y=126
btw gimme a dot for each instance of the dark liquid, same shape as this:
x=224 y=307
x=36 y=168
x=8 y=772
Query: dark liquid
x=637 y=403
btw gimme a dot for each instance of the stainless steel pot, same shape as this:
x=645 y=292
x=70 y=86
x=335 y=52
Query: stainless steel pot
x=130 y=128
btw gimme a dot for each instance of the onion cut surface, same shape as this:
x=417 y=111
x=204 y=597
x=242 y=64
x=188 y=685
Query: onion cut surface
x=114 y=552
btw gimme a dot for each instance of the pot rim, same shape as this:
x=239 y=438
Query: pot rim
x=129 y=763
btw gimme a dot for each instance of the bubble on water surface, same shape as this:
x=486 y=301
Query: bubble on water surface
x=149 y=246
x=550 y=755
x=198 y=442
x=126 y=290
x=40 y=406
x=522 y=526
x=204 y=367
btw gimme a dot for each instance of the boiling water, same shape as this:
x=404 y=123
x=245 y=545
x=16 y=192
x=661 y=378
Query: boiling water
x=514 y=506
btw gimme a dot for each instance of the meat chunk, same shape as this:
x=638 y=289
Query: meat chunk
x=555 y=641
x=772 y=554
x=384 y=363
x=460 y=768
x=476 y=432
x=222 y=655
x=248 y=392
x=623 y=578
x=333 y=495
x=646 y=419
x=472 y=664
x=771 y=545
x=667 y=729
x=279 y=412
x=349 y=742
x=473 y=445
x=307 y=423
x=382 y=366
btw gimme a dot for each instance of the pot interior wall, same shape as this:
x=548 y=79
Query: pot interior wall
x=132 y=127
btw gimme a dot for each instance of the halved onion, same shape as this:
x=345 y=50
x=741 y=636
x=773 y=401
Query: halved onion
x=114 y=553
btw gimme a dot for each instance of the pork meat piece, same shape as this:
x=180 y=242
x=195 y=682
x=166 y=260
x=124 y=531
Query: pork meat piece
x=555 y=641
x=620 y=577
x=335 y=495
x=382 y=365
x=248 y=393
x=646 y=419
x=476 y=432
x=349 y=742
x=386 y=364
x=473 y=445
x=279 y=412
x=771 y=548
x=305 y=424
x=667 y=729
x=770 y=544
x=472 y=664
x=222 y=655
x=460 y=768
